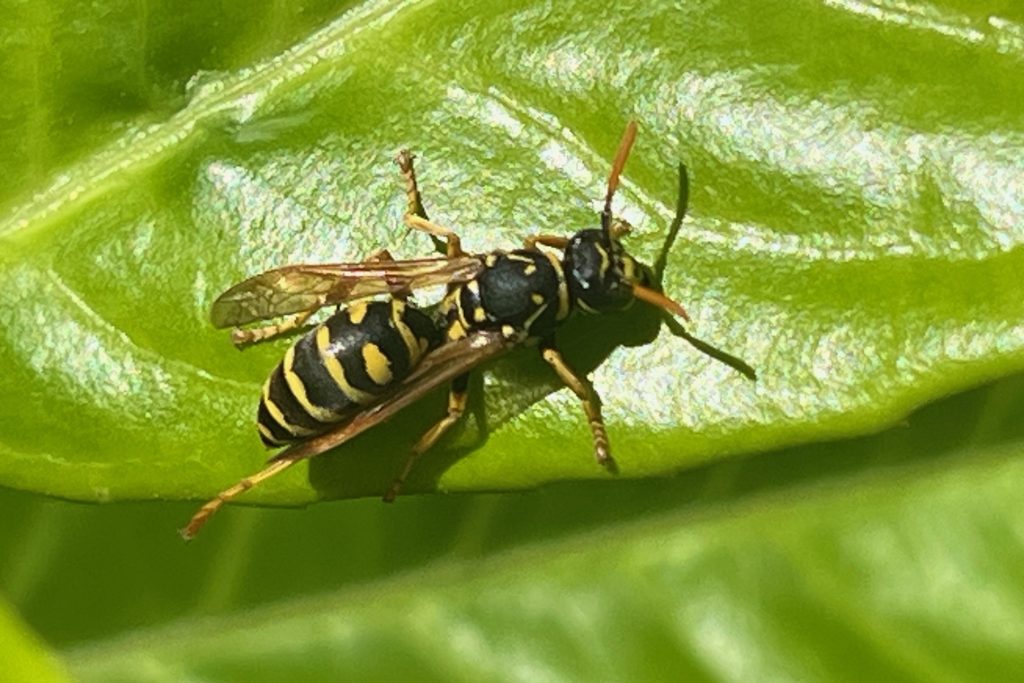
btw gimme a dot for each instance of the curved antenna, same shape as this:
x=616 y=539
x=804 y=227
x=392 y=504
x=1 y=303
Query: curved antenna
x=682 y=203
x=737 y=364
x=625 y=145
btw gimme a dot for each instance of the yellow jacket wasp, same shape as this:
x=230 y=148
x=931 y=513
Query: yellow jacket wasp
x=373 y=358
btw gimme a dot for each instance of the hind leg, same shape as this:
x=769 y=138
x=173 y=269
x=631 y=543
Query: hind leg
x=457 y=398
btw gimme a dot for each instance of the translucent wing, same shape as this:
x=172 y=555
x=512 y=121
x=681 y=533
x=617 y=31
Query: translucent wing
x=307 y=287
x=438 y=368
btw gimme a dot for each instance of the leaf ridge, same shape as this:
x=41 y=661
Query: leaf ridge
x=237 y=97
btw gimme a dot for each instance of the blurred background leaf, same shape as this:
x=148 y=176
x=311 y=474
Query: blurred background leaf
x=856 y=219
x=25 y=658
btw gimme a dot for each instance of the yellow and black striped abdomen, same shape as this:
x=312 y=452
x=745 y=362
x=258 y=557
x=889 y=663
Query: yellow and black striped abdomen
x=340 y=366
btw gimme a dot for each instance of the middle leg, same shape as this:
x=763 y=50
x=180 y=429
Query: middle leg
x=457 y=398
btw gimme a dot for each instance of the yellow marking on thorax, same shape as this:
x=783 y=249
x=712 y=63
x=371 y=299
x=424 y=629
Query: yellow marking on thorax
x=530 y=269
x=563 y=288
x=450 y=301
x=378 y=365
x=537 y=298
x=463 y=320
x=519 y=257
x=336 y=371
x=479 y=314
x=357 y=311
x=278 y=416
x=605 y=260
x=298 y=390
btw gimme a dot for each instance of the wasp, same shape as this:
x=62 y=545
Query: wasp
x=374 y=357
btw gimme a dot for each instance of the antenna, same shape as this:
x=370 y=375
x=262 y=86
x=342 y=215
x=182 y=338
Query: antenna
x=682 y=201
x=625 y=145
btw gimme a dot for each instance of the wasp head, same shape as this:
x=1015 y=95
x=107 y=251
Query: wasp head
x=603 y=277
x=600 y=274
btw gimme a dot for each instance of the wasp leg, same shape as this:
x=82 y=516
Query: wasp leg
x=379 y=256
x=240 y=337
x=416 y=216
x=591 y=403
x=203 y=515
x=619 y=227
x=555 y=241
x=453 y=247
x=384 y=256
x=457 y=397
x=412 y=190
x=737 y=364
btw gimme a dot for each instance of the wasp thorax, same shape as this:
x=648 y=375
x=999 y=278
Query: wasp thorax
x=601 y=274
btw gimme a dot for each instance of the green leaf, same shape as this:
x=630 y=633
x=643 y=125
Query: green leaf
x=25 y=658
x=895 y=557
x=854 y=235
x=855 y=224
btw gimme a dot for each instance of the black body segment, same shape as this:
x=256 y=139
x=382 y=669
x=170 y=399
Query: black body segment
x=522 y=293
x=341 y=365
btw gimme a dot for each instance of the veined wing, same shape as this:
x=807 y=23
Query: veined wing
x=307 y=287
x=437 y=368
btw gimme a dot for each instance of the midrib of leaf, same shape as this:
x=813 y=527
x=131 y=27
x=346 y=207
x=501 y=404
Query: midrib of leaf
x=226 y=571
x=236 y=96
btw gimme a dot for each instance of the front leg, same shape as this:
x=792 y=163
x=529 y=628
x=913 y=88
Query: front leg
x=737 y=364
x=591 y=403
x=554 y=241
x=416 y=217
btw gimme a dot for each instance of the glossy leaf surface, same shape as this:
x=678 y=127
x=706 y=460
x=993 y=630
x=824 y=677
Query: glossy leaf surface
x=856 y=219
